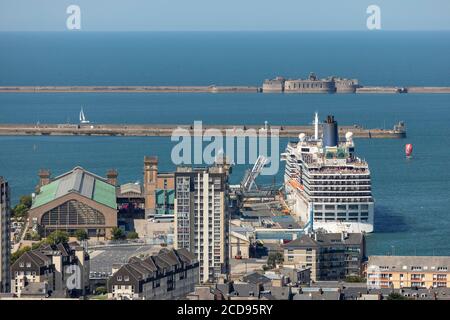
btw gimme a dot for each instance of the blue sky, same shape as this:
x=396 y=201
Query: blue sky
x=229 y=15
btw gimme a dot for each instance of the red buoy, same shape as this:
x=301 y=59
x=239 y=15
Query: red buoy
x=408 y=149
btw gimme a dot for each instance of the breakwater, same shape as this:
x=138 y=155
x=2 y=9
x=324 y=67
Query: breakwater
x=207 y=89
x=129 y=89
x=166 y=130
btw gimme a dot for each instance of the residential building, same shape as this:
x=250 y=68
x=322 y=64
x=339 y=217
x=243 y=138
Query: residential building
x=203 y=292
x=408 y=272
x=316 y=293
x=202 y=218
x=296 y=276
x=256 y=286
x=331 y=256
x=5 y=243
x=170 y=274
x=158 y=190
x=77 y=199
x=62 y=269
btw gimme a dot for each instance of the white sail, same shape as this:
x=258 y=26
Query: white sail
x=83 y=117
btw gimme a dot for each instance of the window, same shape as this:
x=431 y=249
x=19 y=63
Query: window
x=73 y=212
x=126 y=278
x=28 y=264
x=119 y=278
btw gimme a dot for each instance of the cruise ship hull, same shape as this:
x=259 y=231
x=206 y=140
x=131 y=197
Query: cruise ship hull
x=301 y=209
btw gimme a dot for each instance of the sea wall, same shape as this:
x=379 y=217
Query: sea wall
x=166 y=130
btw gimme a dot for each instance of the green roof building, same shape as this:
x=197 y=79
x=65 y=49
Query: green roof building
x=77 y=199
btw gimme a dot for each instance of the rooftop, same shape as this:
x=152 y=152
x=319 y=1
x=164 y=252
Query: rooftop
x=325 y=239
x=130 y=189
x=255 y=278
x=143 y=269
x=407 y=262
x=80 y=181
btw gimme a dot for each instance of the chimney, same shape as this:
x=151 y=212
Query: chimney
x=44 y=177
x=330 y=132
x=111 y=176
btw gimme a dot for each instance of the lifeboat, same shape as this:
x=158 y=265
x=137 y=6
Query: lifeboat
x=295 y=184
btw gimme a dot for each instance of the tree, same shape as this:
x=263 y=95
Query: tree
x=16 y=255
x=396 y=296
x=26 y=200
x=57 y=236
x=36 y=245
x=81 y=235
x=274 y=259
x=355 y=278
x=117 y=233
x=101 y=290
x=20 y=210
x=32 y=235
x=132 y=235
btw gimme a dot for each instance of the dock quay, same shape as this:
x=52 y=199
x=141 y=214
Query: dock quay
x=166 y=130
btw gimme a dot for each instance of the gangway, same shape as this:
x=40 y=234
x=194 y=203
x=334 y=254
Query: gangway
x=250 y=176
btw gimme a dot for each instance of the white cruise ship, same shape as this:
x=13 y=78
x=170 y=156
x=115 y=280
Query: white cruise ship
x=325 y=175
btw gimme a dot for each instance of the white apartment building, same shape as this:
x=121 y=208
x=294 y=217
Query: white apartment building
x=5 y=243
x=202 y=218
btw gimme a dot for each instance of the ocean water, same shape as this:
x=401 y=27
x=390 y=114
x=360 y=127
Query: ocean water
x=222 y=58
x=412 y=214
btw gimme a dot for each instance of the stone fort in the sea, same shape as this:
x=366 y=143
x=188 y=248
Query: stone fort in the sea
x=311 y=85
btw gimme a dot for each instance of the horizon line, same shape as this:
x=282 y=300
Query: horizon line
x=235 y=31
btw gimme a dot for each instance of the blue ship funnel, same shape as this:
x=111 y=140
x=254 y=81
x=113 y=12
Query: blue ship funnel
x=330 y=132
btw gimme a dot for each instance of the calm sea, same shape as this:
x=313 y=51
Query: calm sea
x=412 y=196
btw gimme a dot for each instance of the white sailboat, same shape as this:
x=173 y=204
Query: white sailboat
x=83 y=119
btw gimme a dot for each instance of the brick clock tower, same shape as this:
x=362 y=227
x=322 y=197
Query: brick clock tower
x=150 y=181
